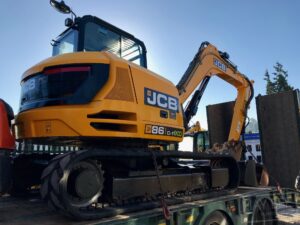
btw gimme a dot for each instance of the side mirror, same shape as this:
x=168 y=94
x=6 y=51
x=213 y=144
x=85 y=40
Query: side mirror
x=60 y=6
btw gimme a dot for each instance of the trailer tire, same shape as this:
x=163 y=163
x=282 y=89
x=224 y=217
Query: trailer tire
x=216 y=218
x=263 y=213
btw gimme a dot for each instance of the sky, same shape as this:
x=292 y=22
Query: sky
x=255 y=33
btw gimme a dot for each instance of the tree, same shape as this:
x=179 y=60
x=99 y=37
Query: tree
x=270 y=89
x=279 y=82
x=280 y=78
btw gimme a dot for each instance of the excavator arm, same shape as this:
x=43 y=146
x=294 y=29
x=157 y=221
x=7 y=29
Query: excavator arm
x=210 y=62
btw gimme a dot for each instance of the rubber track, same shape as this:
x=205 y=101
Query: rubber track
x=50 y=181
x=52 y=175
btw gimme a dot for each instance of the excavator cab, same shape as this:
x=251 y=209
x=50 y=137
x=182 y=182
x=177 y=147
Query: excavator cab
x=84 y=34
x=201 y=141
x=198 y=140
x=90 y=33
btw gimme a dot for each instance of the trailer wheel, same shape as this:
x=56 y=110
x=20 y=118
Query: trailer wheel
x=216 y=218
x=263 y=213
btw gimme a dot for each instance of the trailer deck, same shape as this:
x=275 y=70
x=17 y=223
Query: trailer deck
x=31 y=210
x=288 y=215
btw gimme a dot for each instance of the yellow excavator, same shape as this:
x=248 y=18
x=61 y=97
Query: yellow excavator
x=90 y=115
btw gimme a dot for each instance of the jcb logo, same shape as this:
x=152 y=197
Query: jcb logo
x=220 y=65
x=160 y=100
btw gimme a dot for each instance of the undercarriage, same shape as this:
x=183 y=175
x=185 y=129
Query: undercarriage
x=95 y=183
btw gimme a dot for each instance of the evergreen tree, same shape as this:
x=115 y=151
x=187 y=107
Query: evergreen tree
x=279 y=82
x=270 y=85
x=280 y=78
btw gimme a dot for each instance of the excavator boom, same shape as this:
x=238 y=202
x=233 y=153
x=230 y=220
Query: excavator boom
x=209 y=62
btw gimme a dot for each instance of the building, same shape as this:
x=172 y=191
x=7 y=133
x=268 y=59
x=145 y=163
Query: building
x=252 y=141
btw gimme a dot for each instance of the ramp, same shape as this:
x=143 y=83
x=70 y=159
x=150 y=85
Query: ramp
x=279 y=126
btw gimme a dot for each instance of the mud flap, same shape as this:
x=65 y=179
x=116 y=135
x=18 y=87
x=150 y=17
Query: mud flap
x=5 y=172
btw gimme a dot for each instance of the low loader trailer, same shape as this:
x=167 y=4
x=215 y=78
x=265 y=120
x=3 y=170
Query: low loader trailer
x=246 y=206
